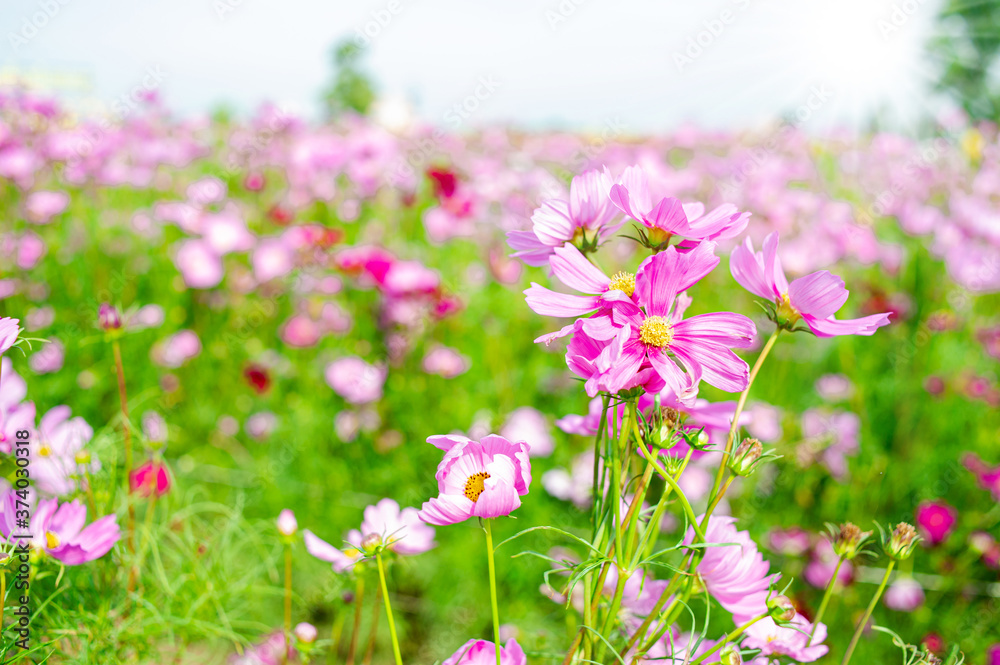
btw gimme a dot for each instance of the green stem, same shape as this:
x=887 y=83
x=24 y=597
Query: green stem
x=739 y=411
x=728 y=638
x=288 y=601
x=493 y=587
x=826 y=599
x=388 y=610
x=868 y=614
x=358 y=597
x=680 y=493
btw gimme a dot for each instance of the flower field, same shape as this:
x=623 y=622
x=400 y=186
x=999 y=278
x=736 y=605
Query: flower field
x=276 y=391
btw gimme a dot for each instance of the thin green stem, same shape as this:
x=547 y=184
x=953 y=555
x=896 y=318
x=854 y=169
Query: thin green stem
x=729 y=638
x=653 y=528
x=739 y=411
x=868 y=613
x=358 y=597
x=493 y=587
x=388 y=610
x=826 y=599
x=288 y=600
x=688 y=510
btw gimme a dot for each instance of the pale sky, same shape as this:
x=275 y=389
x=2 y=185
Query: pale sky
x=646 y=65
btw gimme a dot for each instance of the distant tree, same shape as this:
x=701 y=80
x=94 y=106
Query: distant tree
x=967 y=48
x=352 y=89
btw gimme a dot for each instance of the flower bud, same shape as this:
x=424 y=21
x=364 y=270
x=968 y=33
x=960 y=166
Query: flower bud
x=847 y=542
x=781 y=609
x=902 y=541
x=305 y=633
x=746 y=457
x=287 y=525
x=730 y=655
x=371 y=544
x=108 y=317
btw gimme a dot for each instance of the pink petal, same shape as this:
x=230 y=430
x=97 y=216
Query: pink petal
x=819 y=294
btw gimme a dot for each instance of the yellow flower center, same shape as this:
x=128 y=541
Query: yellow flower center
x=656 y=331
x=51 y=540
x=624 y=282
x=787 y=315
x=44 y=451
x=475 y=485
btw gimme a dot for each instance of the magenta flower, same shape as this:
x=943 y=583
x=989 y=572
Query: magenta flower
x=49 y=358
x=153 y=477
x=988 y=476
x=668 y=217
x=936 y=520
x=59 y=531
x=477 y=478
x=9 y=330
x=652 y=329
x=814 y=298
x=482 y=652
x=586 y=219
x=904 y=595
x=177 y=349
x=400 y=531
x=791 y=640
x=736 y=574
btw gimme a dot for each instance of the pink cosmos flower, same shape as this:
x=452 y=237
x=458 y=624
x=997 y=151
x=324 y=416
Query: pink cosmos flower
x=355 y=380
x=819 y=570
x=936 y=520
x=834 y=387
x=49 y=358
x=271 y=259
x=150 y=477
x=813 y=298
x=446 y=362
x=483 y=652
x=529 y=424
x=400 y=531
x=793 y=541
x=176 y=349
x=668 y=217
x=588 y=216
x=14 y=418
x=59 y=531
x=199 y=265
x=904 y=595
x=652 y=329
x=57 y=444
x=790 y=640
x=41 y=207
x=576 y=484
x=477 y=478
x=736 y=575
x=300 y=331
x=259 y=426
x=573 y=269
x=9 y=330
x=830 y=437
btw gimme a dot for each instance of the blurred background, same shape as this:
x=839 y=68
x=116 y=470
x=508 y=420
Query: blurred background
x=241 y=178
x=550 y=64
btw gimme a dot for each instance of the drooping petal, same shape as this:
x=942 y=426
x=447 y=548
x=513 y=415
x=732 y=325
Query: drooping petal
x=726 y=328
x=447 y=509
x=564 y=305
x=832 y=327
x=719 y=366
x=497 y=500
